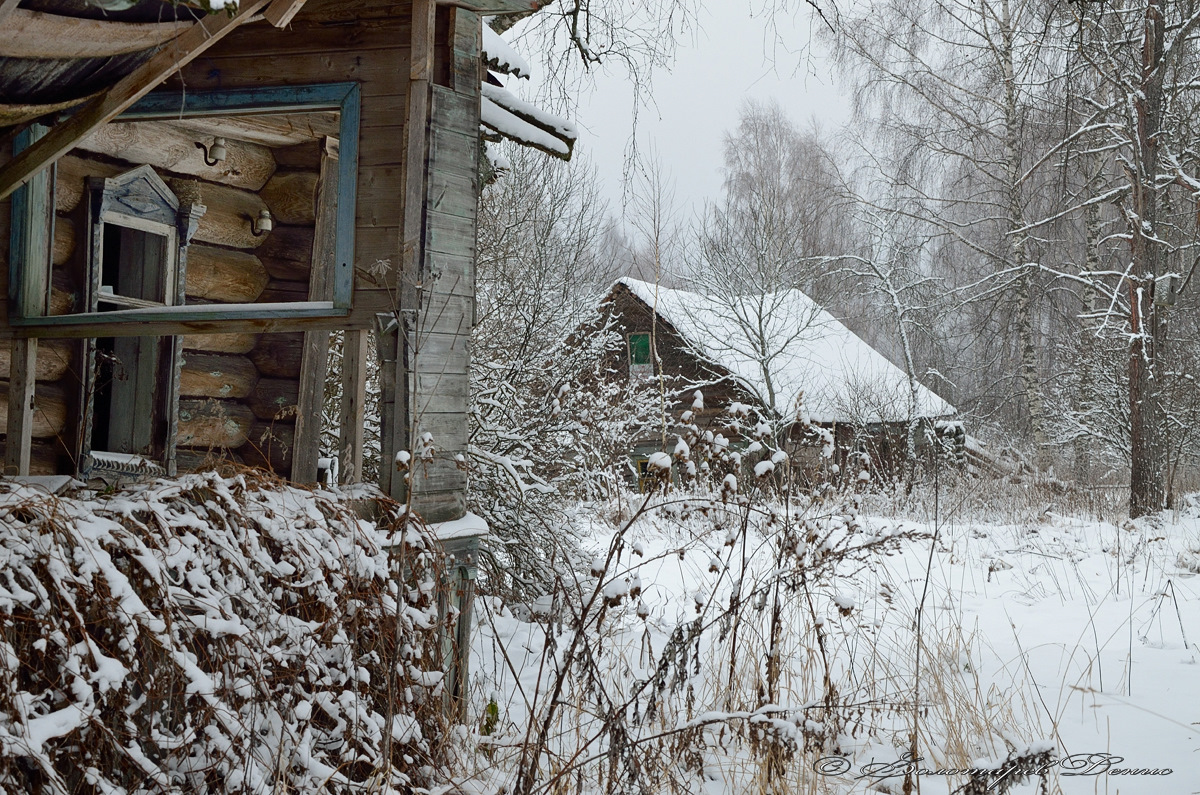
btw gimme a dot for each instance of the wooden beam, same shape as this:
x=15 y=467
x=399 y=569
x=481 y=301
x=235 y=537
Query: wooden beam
x=314 y=366
x=285 y=129
x=7 y=7
x=281 y=12
x=352 y=417
x=33 y=34
x=174 y=56
x=416 y=127
x=21 y=380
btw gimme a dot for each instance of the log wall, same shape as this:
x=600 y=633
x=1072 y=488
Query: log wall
x=239 y=387
x=219 y=373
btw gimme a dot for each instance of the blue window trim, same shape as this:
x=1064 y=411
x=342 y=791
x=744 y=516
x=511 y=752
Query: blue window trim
x=342 y=97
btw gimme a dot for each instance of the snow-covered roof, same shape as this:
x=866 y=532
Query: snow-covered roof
x=817 y=366
x=504 y=115
x=498 y=56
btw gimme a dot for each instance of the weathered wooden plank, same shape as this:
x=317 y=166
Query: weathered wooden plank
x=291 y=196
x=380 y=74
x=7 y=9
x=465 y=66
x=307 y=36
x=190 y=44
x=315 y=364
x=220 y=343
x=452 y=274
x=281 y=12
x=222 y=274
x=441 y=397
x=379 y=189
x=451 y=146
x=214 y=423
x=449 y=430
x=441 y=506
x=449 y=234
x=352 y=414
x=19 y=422
x=453 y=195
x=380 y=145
x=170 y=147
x=416 y=123
x=34 y=34
x=217 y=376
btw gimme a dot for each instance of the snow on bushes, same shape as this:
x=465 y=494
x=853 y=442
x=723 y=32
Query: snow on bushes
x=215 y=635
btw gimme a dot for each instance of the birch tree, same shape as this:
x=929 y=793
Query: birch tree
x=950 y=86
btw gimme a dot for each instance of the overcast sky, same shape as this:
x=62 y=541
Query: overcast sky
x=735 y=56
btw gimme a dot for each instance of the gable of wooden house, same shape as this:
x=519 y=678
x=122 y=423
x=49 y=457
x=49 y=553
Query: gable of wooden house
x=191 y=204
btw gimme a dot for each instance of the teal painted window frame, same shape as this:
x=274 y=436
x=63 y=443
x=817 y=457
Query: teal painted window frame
x=342 y=97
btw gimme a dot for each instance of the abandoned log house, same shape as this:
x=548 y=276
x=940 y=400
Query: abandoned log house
x=830 y=388
x=192 y=203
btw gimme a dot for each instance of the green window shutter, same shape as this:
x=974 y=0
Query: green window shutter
x=639 y=349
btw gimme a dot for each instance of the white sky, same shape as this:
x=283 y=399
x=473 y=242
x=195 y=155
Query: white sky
x=737 y=54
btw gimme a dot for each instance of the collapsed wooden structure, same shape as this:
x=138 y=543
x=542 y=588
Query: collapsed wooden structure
x=192 y=203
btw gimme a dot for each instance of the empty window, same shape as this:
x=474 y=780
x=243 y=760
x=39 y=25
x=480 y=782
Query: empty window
x=135 y=260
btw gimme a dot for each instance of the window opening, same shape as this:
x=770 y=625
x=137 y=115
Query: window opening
x=640 y=363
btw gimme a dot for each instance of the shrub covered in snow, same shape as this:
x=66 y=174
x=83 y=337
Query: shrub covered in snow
x=215 y=635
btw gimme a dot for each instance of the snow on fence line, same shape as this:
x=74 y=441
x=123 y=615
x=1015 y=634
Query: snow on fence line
x=217 y=635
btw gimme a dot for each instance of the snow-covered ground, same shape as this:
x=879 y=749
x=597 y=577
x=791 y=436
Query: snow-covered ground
x=1057 y=632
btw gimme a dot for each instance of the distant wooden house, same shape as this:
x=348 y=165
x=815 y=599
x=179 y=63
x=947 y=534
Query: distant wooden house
x=191 y=203
x=825 y=385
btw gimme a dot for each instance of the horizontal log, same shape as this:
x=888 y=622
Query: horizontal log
x=291 y=196
x=285 y=129
x=275 y=399
x=64 y=241
x=287 y=253
x=189 y=459
x=62 y=302
x=49 y=409
x=230 y=212
x=300 y=157
x=281 y=292
x=213 y=424
x=220 y=343
x=53 y=359
x=169 y=147
x=70 y=177
x=225 y=275
x=217 y=375
x=270 y=446
x=279 y=355
x=48 y=458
